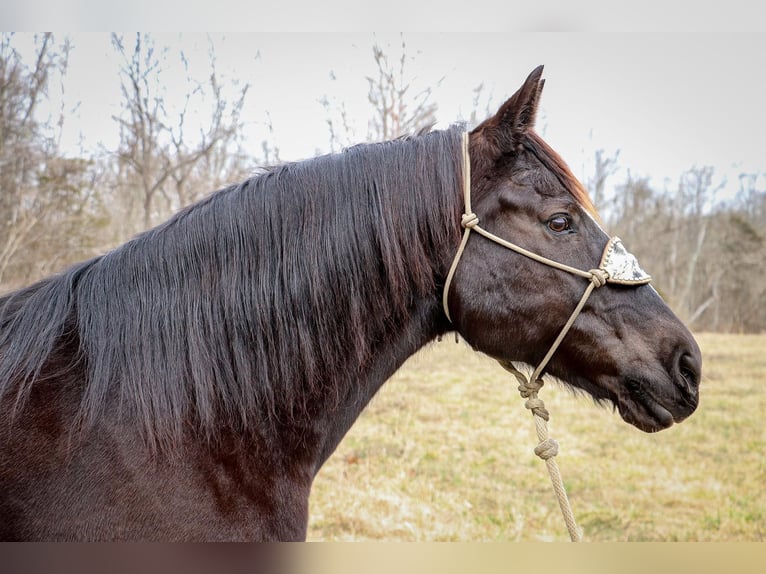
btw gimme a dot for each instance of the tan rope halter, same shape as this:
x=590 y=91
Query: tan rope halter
x=617 y=266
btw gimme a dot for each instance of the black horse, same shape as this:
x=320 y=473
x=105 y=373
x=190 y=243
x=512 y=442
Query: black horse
x=190 y=384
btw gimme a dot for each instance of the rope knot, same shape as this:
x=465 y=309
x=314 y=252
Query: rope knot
x=528 y=388
x=537 y=406
x=598 y=277
x=469 y=220
x=547 y=449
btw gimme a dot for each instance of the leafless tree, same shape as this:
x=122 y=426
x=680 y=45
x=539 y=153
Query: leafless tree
x=706 y=255
x=398 y=104
x=482 y=106
x=338 y=122
x=604 y=166
x=160 y=165
x=46 y=200
x=398 y=109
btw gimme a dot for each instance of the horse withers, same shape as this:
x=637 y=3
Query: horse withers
x=190 y=384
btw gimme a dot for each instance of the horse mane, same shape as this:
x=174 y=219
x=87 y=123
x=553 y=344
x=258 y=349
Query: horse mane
x=252 y=304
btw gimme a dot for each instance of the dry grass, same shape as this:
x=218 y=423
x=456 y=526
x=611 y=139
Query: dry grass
x=444 y=452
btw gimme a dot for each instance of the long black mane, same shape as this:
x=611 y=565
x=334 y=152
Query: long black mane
x=243 y=307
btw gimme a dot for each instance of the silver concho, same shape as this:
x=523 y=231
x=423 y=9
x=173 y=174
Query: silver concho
x=621 y=265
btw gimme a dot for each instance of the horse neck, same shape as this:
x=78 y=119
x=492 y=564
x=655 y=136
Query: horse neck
x=369 y=317
x=284 y=302
x=357 y=388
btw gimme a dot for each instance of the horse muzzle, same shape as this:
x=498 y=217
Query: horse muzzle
x=652 y=406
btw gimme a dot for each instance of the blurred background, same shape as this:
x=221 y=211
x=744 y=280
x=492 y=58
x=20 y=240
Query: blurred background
x=104 y=135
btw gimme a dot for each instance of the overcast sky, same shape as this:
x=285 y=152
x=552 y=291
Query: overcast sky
x=667 y=101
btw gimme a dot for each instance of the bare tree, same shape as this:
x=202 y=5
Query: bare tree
x=338 y=122
x=481 y=107
x=160 y=165
x=46 y=200
x=603 y=168
x=697 y=195
x=706 y=255
x=397 y=108
x=738 y=245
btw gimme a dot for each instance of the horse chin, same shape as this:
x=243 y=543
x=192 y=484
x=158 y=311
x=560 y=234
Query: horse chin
x=640 y=408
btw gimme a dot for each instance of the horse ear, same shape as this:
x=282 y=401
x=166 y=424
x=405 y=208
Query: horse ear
x=515 y=117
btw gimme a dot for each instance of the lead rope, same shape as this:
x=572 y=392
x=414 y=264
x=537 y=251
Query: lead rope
x=547 y=447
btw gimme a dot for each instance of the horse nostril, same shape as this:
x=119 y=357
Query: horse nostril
x=689 y=368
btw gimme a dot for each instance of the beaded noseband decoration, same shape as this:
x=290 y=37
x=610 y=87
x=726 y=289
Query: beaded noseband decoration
x=617 y=266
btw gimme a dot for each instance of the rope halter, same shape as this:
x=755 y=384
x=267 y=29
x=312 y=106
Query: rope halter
x=617 y=266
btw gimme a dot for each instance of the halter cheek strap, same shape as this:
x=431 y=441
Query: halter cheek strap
x=617 y=265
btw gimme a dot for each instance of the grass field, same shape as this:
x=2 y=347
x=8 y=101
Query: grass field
x=444 y=452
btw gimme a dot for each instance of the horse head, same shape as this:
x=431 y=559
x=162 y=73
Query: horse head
x=626 y=346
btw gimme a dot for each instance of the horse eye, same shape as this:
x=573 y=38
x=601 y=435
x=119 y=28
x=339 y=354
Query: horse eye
x=559 y=223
